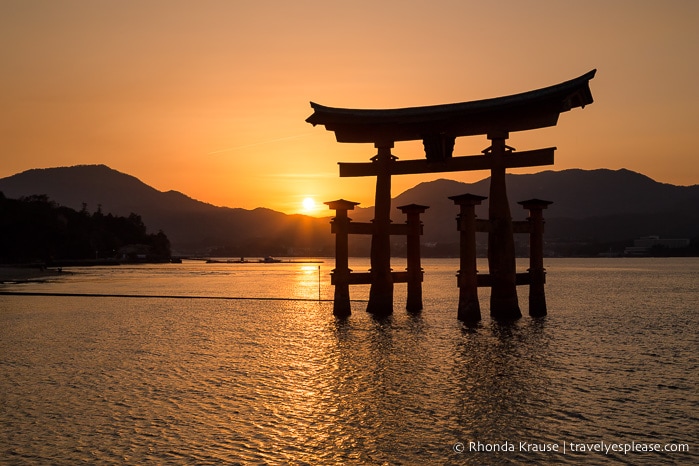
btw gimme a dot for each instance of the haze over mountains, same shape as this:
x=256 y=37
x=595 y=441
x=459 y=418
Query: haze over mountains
x=192 y=226
x=592 y=207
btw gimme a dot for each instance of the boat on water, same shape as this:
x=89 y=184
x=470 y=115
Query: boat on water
x=227 y=261
x=264 y=260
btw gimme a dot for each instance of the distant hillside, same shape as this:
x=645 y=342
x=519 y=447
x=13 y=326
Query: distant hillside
x=590 y=206
x=36 y=230
x=191 y=225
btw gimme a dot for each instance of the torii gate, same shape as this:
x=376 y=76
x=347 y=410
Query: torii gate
x=438 y=127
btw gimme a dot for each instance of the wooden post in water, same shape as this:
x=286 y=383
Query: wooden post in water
x=381 y=291
x=341 y=273
x=537 y=272
x=414 y=267
x=467 y=280
x=501 y=244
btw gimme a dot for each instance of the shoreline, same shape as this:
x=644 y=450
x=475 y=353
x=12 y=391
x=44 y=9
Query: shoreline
x=16 y=274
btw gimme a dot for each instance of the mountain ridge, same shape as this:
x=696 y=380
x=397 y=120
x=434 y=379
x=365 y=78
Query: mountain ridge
x=191 y=225
x=598 y=205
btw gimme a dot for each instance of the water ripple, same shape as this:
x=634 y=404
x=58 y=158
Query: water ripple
x=114 y=381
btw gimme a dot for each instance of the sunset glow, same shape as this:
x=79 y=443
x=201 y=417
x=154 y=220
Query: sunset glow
x=210 y=99
x=309 y=205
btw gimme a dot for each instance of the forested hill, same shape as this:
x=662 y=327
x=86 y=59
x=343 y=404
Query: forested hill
x=589 y=206
x=35 y=229
x=193 y=227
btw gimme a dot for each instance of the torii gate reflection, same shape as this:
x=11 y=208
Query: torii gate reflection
x=438 y=127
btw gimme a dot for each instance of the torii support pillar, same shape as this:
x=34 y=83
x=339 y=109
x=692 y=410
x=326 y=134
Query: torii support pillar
x=414 y=269
x=467 y=280
x=341 y=274
x=537 y=272
x=501 y=244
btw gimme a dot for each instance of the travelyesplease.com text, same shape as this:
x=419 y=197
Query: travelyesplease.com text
x=569 y=447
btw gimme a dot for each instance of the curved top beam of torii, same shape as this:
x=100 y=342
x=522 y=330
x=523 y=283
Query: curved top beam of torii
x=518 y=112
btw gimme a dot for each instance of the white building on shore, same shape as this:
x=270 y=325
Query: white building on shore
x=642 y=246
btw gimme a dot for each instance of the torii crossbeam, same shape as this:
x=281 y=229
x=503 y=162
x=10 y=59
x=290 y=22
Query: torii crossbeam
x=438 y=126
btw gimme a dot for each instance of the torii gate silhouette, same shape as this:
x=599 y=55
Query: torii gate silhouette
x=437 y=127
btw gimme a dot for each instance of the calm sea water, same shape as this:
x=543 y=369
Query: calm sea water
x=116 y=380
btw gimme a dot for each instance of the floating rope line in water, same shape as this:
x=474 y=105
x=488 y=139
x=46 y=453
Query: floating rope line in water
x=110 y=295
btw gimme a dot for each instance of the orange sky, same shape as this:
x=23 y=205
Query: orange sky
x=209 y=98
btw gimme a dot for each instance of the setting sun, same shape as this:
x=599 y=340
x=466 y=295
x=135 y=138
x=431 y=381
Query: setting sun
x=309 y=204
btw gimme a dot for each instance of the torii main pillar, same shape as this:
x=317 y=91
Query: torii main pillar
x=381 y=291
x=501 y=244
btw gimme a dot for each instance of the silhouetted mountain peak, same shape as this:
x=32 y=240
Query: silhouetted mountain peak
x=602 y=203
x=73 y=186
x=587 y=204
x=190 y=224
